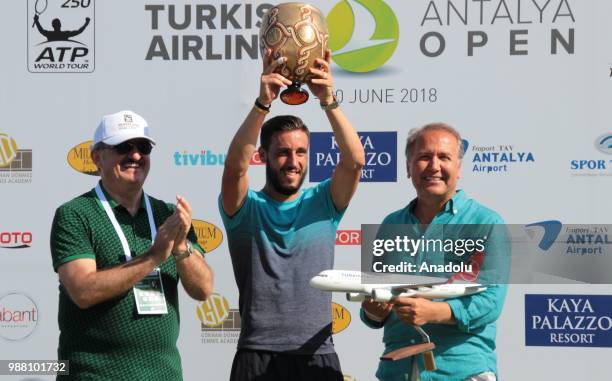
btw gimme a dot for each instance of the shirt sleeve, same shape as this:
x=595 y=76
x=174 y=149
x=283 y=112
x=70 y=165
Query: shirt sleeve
x=476 y=311
x=324 y=188
x=370 y=322
x=232 y=221
x=70 y=237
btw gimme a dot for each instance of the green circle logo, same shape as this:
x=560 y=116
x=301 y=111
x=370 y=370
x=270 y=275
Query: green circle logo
x=363 y=34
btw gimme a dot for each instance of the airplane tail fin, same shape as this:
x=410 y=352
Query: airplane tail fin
x=469 y=276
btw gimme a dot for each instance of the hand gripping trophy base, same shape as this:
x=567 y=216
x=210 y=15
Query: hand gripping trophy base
x=294 y=94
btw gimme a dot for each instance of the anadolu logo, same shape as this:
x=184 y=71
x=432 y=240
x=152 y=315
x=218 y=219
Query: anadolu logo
x=8 y=150
x=604 y=143
x=209 y=235
x=79 y=158
x=18 y=316
x=551 y=228
x=341 y=318
x=213 y=311
x=363 y=34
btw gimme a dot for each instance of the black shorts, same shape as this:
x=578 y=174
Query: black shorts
x=254 y=365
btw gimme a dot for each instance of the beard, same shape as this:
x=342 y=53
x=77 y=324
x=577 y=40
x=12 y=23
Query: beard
x=273 y=178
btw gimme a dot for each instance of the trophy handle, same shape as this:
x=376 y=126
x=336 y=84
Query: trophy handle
x=294 y=94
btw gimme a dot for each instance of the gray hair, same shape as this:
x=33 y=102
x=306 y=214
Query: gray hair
x=416 y=133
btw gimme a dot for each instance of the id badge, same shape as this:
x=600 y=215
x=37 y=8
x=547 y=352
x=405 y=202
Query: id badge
x=149 y=295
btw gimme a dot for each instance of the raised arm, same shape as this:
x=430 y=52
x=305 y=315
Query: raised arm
x=235 y=181
x=39 y=27
x=352 y=157
x=80 y=30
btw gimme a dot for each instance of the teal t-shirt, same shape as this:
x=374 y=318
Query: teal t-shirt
x=276 y=248
x=464 y=349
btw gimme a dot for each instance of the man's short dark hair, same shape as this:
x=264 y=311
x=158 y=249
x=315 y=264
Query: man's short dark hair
x=280 y=123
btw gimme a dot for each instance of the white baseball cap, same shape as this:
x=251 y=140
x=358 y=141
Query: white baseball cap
x=122 y=126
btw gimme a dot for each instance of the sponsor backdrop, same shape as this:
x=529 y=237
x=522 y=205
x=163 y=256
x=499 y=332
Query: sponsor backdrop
x=527 y=83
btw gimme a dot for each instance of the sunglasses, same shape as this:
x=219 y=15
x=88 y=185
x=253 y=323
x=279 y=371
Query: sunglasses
x=143 y=146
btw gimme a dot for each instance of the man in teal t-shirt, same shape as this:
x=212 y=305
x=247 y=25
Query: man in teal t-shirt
x=283 y=235
x=463 y=329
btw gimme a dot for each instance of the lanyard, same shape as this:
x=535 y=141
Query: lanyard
x=113 y=220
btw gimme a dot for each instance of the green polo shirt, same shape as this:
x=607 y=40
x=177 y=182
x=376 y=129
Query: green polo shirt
x=468 y=347
x=110 y=341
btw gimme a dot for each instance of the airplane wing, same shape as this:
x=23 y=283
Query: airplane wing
x=437 y=290
x=406 y=288
x=388 y=292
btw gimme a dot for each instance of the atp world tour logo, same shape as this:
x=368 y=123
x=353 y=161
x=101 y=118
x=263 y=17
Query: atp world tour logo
x=61 y=36
x=363 y=34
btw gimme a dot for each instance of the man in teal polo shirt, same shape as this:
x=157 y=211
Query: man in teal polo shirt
x=463 y=329
x=118 y=299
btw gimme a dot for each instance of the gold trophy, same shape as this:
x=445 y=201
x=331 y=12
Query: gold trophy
x=297 y=31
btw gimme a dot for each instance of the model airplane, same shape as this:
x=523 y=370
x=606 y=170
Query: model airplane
x=361 y=286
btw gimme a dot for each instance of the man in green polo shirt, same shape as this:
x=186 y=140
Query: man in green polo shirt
x=463 y=329
x=118 y=300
